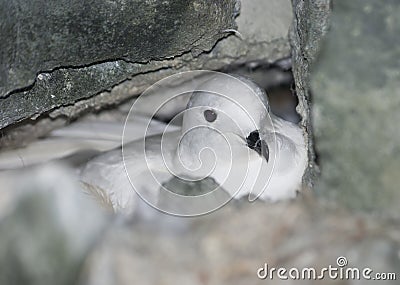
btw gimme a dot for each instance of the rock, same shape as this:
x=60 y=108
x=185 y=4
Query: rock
x=310 y=24
x=116 y=65
x=47 y=226
x=81 y=48
x=44 y=36
x=355 y=87
x=230 y=245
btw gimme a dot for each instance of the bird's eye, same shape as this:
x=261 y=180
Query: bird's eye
x=210 y=115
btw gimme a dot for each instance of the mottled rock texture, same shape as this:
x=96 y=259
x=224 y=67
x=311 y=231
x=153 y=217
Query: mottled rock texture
x=310 y=24
x=104 y=38
x=92 y=54
x=355 y=88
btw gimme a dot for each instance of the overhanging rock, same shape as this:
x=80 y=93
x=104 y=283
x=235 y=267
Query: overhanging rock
x=202 y=37
x=83 y=47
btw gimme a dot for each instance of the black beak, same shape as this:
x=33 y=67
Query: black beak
x=255 y=143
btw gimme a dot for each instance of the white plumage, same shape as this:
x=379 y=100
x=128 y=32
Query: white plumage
x=207 y=148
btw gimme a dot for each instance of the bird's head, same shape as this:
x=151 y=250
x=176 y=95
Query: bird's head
x=229 y=105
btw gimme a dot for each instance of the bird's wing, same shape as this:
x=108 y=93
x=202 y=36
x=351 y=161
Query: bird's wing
x=122 y=173
x=85 y=136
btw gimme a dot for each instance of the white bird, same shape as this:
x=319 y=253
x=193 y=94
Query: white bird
x=227 y=134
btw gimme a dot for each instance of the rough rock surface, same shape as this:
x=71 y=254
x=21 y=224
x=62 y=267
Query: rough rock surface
x=81 y=48
x=63 y=83
x=310 y=24
x=356 y=112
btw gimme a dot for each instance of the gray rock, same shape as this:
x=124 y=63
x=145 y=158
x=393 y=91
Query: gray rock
x=69 y=90
x=230 y=245
x=44 y=36
x=310 y=23
x=47 y=226
x=355 y=85
x=72 y=38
